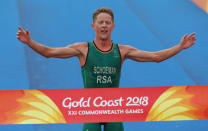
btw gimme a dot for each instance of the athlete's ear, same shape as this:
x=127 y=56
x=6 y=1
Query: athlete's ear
x=93 y=26
x=113 y=26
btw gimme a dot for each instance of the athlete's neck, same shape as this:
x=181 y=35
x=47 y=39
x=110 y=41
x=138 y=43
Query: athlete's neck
x=103 y=43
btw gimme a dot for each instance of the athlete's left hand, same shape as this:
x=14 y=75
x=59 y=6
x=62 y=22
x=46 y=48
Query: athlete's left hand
x=187 y=41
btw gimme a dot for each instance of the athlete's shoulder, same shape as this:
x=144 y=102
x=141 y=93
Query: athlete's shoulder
x=82 y=47
x=125 y=50
x=125 y=47
x=79 y=45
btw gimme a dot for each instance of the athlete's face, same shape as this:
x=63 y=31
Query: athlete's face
x=103 y=25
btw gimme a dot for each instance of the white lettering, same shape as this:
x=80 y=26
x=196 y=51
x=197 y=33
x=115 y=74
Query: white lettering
x=134 y=111
x=104 y=79
x=109 y=80
x=104 y=70
x=99 y=78
x=68 y=103
x=99 y=102
x=97 y=112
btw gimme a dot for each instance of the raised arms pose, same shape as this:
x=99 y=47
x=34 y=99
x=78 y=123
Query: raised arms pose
x=127 y=52
x=101 y=60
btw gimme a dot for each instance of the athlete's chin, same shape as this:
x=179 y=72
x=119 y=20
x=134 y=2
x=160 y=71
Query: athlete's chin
x=103 y=38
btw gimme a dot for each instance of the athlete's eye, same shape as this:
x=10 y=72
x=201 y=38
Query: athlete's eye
x=108 y=22
x=100 y=22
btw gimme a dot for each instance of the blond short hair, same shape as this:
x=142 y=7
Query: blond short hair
x=103 y=10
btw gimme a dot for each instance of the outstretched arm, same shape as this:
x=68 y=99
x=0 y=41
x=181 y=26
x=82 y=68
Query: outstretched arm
x=144 y=56
x=64 y=52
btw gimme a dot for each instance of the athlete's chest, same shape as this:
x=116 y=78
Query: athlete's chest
x=112 y=58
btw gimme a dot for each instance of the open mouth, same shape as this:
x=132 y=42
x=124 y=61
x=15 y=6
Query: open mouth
x=104 y=31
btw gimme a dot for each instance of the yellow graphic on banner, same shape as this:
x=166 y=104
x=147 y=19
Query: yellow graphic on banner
x=32 y=107
x=180 y=103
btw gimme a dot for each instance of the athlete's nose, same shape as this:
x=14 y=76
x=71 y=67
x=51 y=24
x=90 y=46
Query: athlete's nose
x=104 y=24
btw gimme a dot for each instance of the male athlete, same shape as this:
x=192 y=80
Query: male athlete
x=101 y=59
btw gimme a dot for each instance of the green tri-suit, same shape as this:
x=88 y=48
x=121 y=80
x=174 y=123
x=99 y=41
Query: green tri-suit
x=102 y=70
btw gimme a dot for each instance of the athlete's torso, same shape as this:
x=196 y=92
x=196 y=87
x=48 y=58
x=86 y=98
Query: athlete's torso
x=102 y=68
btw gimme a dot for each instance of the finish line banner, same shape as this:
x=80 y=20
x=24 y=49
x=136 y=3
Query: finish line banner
x=104 y=105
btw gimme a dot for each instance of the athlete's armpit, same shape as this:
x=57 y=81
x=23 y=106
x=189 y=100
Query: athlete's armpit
x=128 y=52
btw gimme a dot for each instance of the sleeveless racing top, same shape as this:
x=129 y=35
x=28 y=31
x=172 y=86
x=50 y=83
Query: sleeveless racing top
x=102 y=69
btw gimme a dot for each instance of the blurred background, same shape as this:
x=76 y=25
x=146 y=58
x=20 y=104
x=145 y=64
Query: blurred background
x=147 y=25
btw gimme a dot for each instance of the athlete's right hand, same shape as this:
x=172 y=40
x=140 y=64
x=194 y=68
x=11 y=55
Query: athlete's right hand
x=23 y=36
